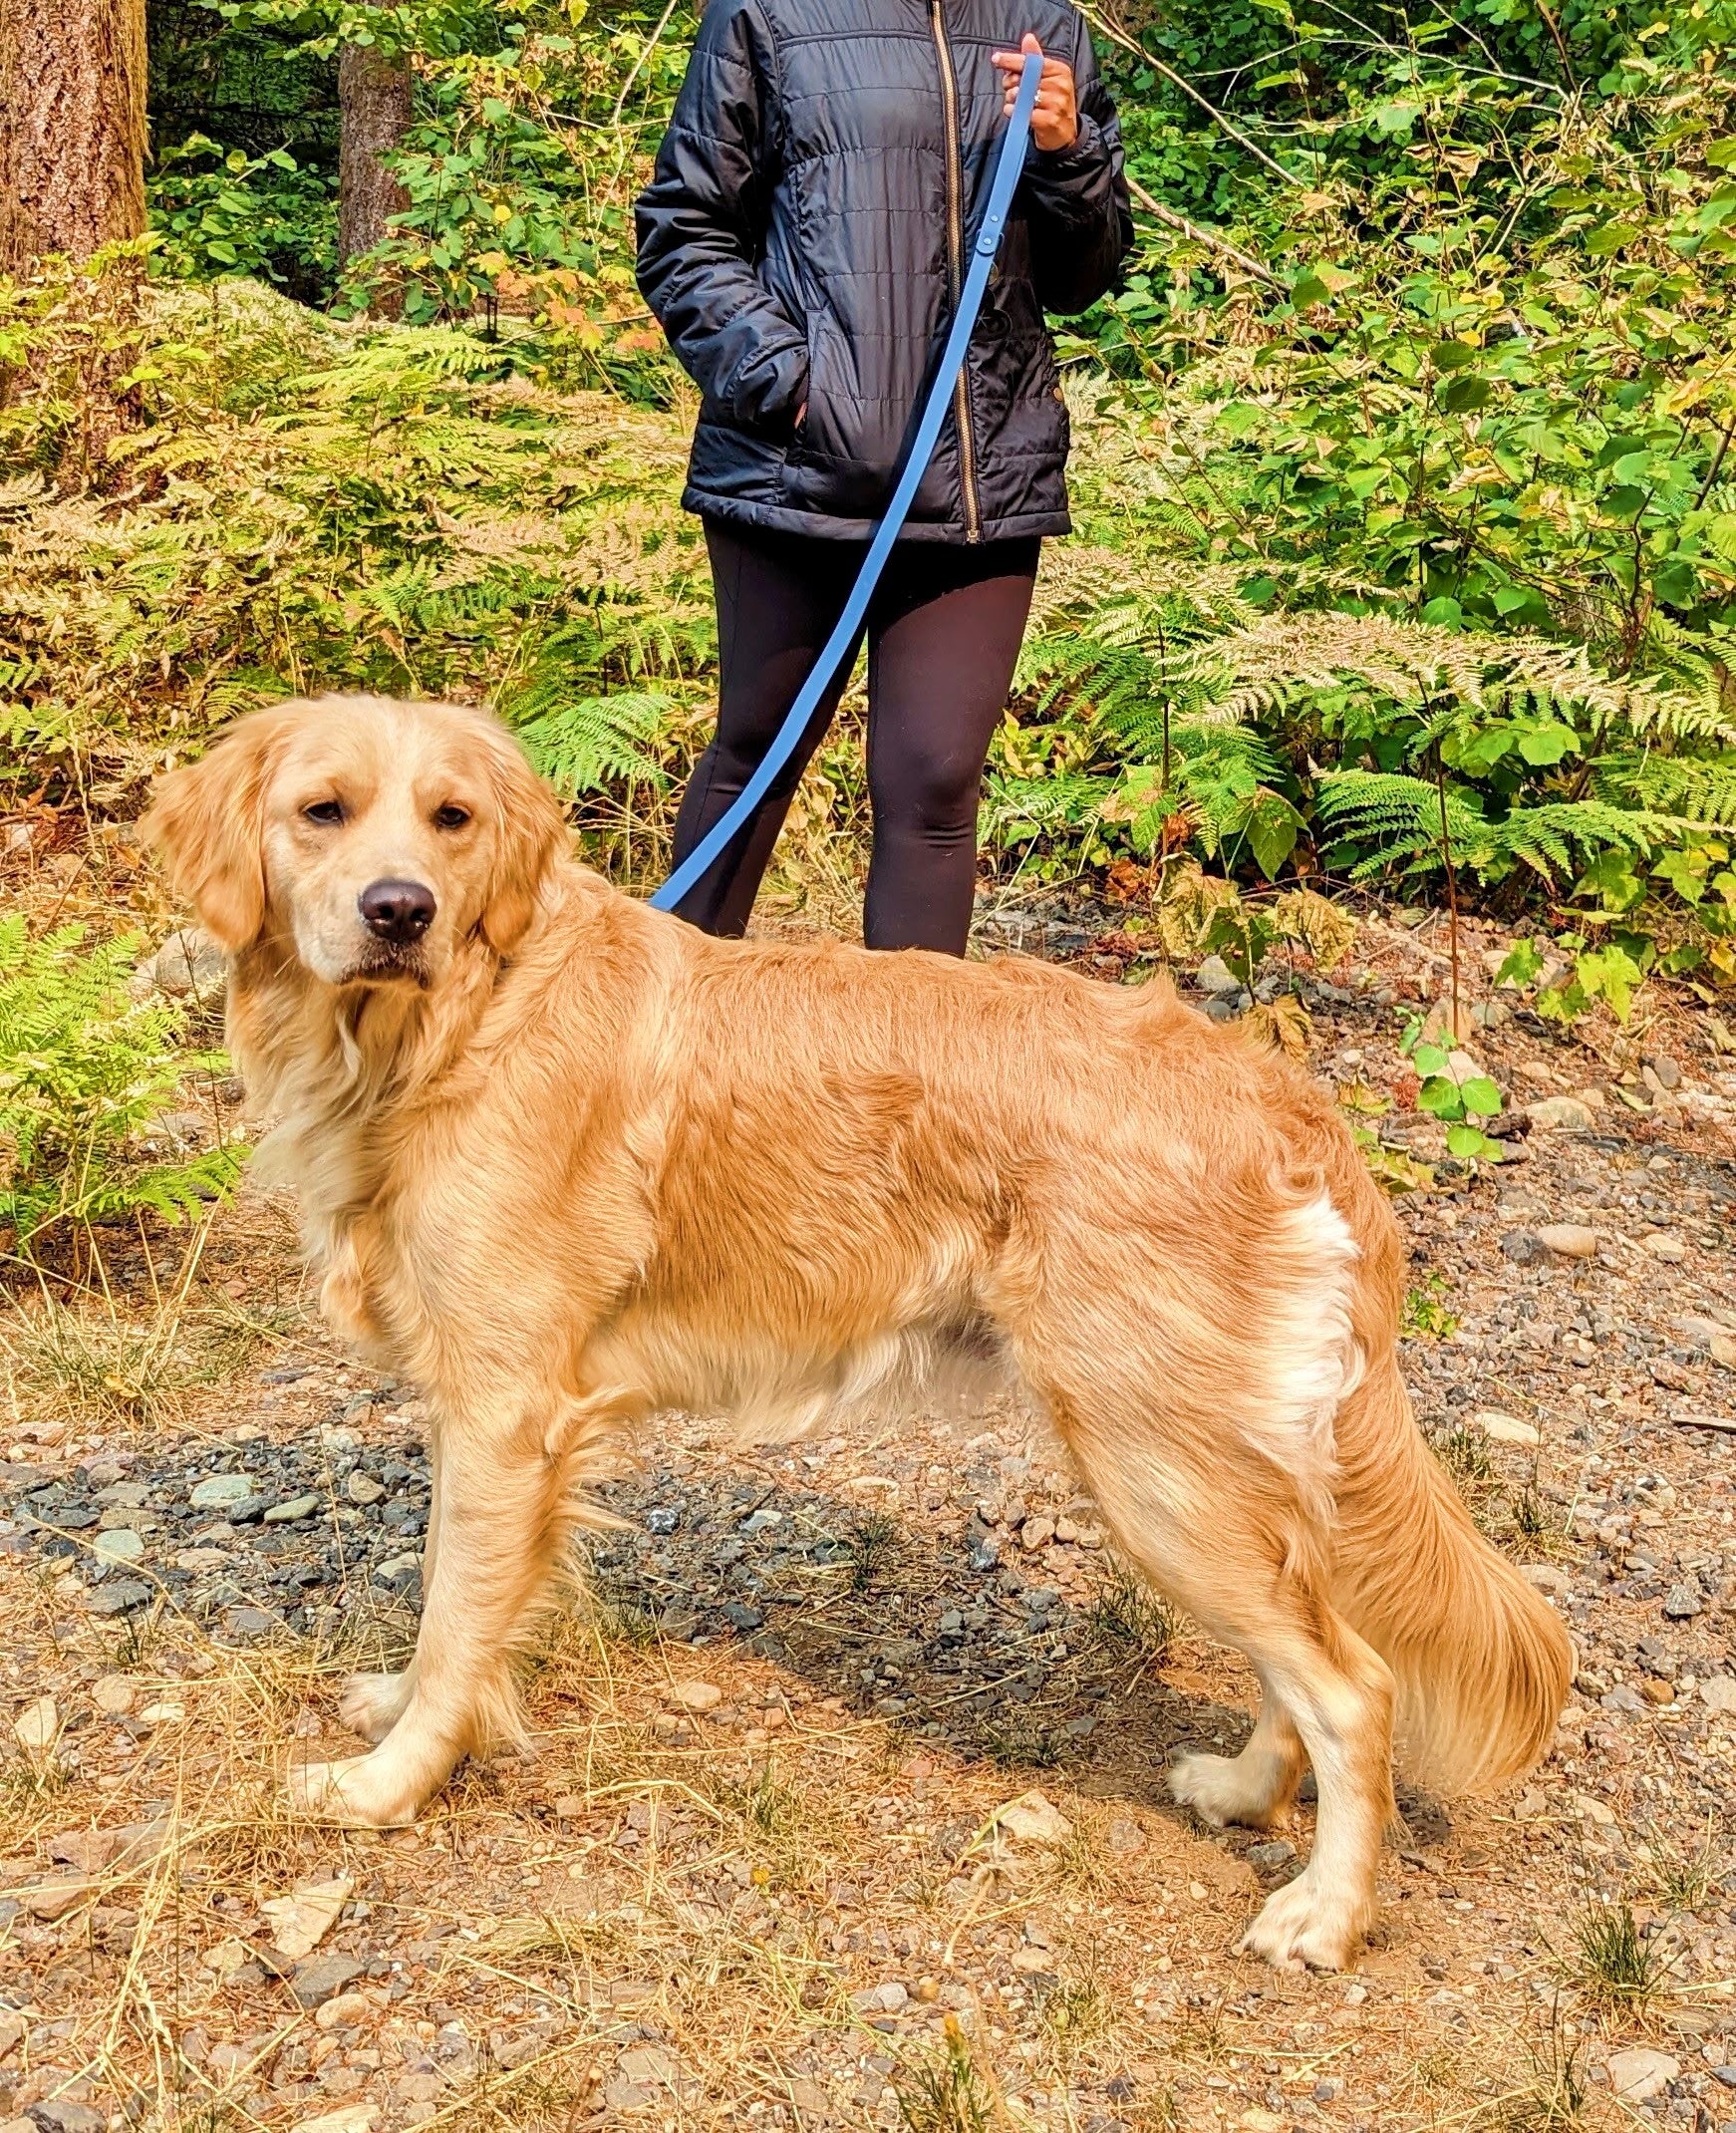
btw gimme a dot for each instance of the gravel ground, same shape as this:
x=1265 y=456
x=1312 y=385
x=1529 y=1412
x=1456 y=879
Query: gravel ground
x=848 y=1774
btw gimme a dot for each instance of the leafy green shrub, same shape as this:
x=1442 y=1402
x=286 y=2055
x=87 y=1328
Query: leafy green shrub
x=1411 y=551
x=1572 y=976
x=218 y=213
x=314 y=506
x=83 y=1069
x=532 y=131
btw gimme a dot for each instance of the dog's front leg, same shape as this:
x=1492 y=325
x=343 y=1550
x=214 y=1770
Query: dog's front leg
x=495 y=1530
x=373 y=1703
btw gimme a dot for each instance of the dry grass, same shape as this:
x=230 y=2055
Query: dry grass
x=137 y=1336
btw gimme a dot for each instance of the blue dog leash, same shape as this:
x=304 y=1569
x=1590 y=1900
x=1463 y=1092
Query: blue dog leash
x=1006 y=175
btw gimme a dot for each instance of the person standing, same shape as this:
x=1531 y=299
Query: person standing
x=802 y=242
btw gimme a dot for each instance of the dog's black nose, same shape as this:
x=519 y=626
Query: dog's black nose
x=399 y=911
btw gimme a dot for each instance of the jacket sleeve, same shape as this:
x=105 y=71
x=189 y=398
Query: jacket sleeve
x=1081 y=219
x=700 y=225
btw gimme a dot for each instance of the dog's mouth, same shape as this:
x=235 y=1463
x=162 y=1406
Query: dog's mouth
x=386 y=965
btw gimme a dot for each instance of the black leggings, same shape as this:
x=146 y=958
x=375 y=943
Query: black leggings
x=944 y=632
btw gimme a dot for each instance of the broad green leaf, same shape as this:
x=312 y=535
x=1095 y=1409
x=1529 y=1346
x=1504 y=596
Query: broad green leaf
x=1442 y=1098
x=1464 y=396
x=1543 y=744
x=1481 y=1096
x=1273 y=829
x=1522 y=966
x=1679 y=870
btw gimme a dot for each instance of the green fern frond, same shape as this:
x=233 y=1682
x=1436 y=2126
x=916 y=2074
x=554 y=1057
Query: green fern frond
x=586 y=743
x=83 y=1069
x=1015 y=809
x=1696 y=789
x=1399 y=818
x=178 y=1192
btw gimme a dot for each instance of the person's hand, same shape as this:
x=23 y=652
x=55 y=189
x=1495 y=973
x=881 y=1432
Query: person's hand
x=1055 y=122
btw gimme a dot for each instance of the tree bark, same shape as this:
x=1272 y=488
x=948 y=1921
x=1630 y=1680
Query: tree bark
x=374 y=117
x=72 y=126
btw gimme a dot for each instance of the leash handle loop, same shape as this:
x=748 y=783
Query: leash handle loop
x=1008 y=171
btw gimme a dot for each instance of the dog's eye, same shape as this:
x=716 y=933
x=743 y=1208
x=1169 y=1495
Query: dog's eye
x=451 y=816
x=324 y=812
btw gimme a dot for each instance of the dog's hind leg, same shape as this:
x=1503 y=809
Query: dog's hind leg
x=1341 y=1695
x=370 y=1704
x=1217 y=1530
x=1255 y=1788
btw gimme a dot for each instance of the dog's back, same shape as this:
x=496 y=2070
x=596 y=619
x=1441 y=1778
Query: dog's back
x=850 y=1151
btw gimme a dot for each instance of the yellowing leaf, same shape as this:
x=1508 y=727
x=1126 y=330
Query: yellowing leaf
x=1283 y=1022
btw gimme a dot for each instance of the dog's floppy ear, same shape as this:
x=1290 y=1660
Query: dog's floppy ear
x=530 y=834
x=207 y=822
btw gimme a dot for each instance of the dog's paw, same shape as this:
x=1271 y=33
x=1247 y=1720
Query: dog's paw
x=1227 y=1788
x=373 y=1703
x=351 y=1793
x=1299 y=1929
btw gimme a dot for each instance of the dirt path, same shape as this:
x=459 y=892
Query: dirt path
x=848 y=1784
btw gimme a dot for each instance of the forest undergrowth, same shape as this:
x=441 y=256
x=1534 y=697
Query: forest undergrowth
x=1406 y=550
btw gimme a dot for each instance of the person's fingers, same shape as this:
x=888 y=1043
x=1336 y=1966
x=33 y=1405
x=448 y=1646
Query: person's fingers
x=1057 y=75
x=1056 y=106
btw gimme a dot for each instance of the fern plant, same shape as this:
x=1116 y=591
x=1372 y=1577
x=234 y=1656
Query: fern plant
x=1121 y=671
x=1165 y=708
x=83 y=1069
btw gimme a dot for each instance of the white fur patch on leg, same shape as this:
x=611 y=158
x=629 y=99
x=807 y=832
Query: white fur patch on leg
x=372 y=1704
x=1314 y=1361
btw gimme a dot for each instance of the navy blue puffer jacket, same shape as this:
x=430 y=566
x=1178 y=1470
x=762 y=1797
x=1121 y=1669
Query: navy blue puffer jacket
x=804 y=238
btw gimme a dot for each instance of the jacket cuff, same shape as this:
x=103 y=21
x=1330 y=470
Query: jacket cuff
x=1083 y=155
x=770 y=390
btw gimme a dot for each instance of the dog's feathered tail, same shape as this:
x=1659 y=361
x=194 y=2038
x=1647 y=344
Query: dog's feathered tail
x=1481 y=1660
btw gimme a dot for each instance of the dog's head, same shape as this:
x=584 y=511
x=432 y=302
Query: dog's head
x=374 y=838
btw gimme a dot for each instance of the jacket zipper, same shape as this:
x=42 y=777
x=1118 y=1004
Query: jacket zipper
x=956 y=263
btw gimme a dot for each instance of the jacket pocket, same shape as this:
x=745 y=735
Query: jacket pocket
x=838 y=462
x=783 y=287
x=810 y=431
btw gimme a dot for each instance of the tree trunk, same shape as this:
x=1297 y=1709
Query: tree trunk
x=72 y=126
x=374 y=114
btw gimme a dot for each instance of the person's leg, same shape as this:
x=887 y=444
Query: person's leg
x=778 y=598
x=945 y=640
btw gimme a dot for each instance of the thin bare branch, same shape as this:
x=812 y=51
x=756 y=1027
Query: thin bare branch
x=1219 y=118
x=1201 y=235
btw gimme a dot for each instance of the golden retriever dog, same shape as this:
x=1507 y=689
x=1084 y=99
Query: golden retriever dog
x=567 y=1163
